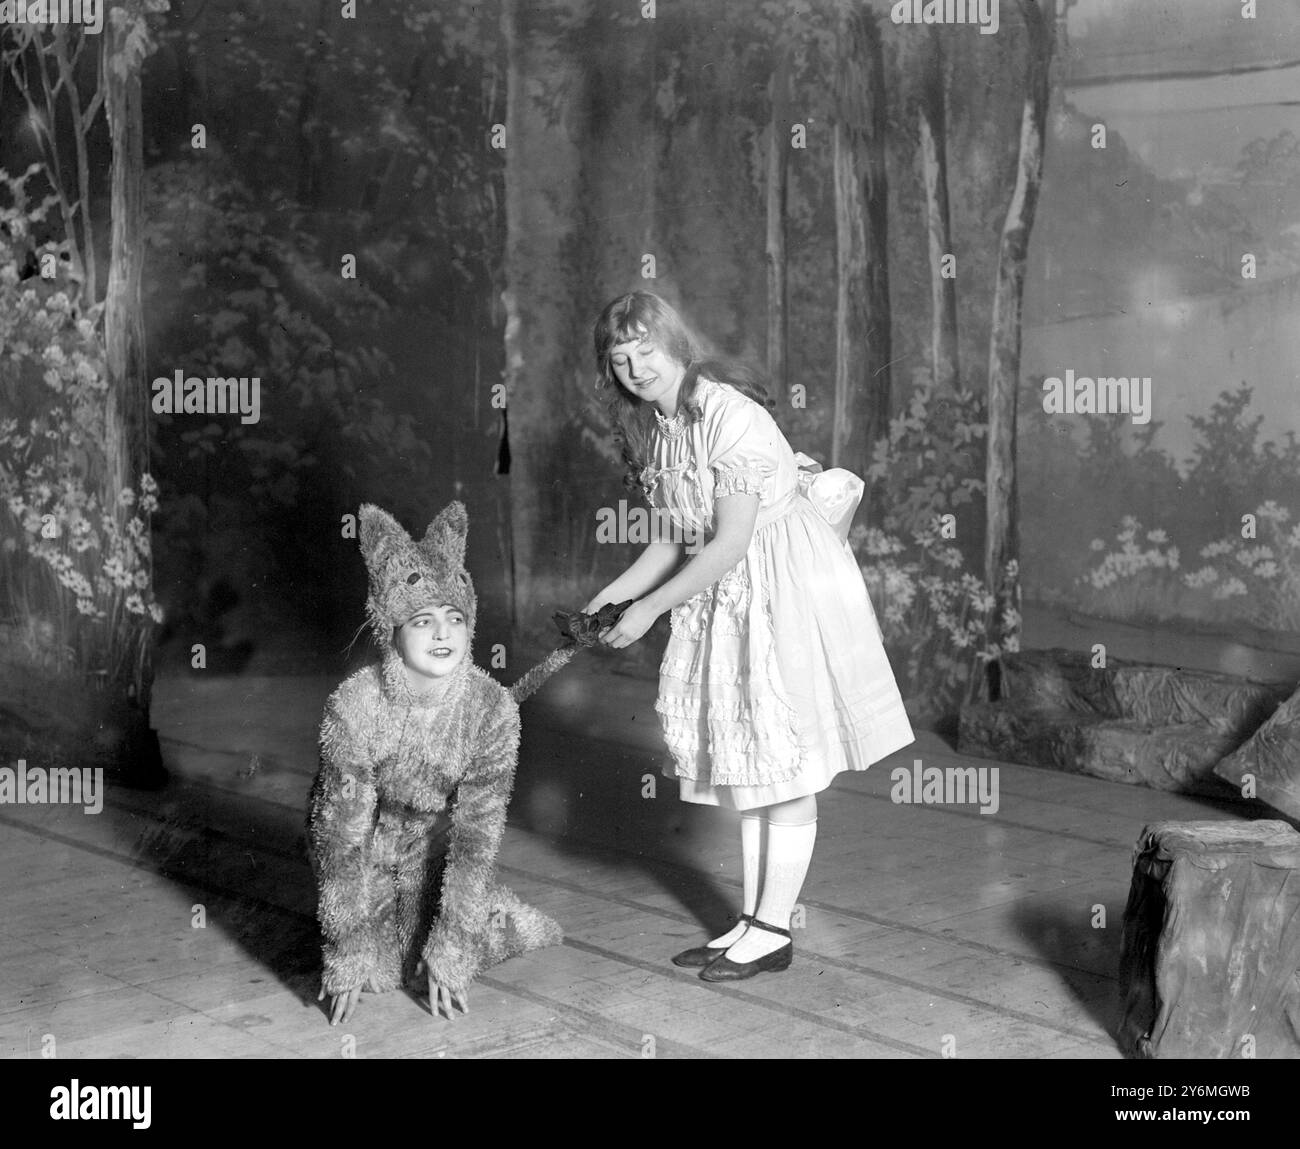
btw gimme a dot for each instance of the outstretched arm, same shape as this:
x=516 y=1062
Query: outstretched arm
x=342 y=820
x=652 y=566
x=454 y=952
x=734 y=519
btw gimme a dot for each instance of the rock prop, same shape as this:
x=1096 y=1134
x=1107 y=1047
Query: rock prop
x=1211 y=945
x=1267 y=767
x=1157 y=726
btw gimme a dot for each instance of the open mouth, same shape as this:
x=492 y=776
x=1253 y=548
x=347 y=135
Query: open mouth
x=442 y=652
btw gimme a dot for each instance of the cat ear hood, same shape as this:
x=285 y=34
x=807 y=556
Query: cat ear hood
x=406 y=576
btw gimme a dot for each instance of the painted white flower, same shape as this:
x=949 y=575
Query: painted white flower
x=77 y=582
x=1230 y=588
x=1252 y=555
x=117 y=572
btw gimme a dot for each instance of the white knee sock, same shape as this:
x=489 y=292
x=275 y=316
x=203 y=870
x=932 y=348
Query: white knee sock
x=751 y=857
x=789 y=851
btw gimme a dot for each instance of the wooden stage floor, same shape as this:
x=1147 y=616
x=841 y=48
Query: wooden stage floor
x=927 y=929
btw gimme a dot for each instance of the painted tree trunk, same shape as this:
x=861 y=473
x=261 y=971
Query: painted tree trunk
x=82 y=119
x=127 y=443
x=778 y=172
x=862 y=322
x=932 y=122
x=850 y=300
x=545 y=313
x=1001 y=552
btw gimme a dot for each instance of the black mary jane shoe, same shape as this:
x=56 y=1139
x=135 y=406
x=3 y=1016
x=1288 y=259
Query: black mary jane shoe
x=724 y=969
x=701 y=956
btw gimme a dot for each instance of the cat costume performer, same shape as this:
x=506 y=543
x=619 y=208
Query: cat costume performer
x=409 y=805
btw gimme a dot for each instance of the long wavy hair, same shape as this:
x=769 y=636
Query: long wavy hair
x=641 y=315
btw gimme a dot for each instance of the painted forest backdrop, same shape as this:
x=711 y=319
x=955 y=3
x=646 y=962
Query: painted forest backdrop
x=404 y=223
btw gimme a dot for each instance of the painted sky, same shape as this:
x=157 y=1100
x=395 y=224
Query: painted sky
x=1194 y=127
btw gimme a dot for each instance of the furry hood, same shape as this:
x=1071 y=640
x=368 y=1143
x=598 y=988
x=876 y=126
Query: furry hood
x=406 y=576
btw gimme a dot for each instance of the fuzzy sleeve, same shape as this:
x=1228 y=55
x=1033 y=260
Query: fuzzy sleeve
x=342 y=821
x=458 y=941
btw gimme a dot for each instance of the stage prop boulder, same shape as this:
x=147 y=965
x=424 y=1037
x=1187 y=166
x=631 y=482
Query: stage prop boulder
x=1267 y=766
x=1157 y=726
x=1210 y=958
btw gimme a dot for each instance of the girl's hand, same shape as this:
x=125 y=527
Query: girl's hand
x=441 y=998
x=341 y=1004
x=596 y=603
x=636 y=620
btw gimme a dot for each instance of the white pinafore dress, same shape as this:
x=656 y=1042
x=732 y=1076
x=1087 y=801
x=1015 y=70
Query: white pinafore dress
x=775 y=678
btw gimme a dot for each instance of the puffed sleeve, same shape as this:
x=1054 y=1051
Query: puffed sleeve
x=744 y=447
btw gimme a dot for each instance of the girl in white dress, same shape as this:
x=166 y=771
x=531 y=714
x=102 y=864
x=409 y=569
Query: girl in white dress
x=775 y=678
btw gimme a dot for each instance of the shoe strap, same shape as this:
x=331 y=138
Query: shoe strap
x=770 y=929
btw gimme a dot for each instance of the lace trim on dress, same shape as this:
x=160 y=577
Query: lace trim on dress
x=721 y=608
x=745 y=479
x=744 y=743
x=672 y=428
x=649 y=477
x=748 y=741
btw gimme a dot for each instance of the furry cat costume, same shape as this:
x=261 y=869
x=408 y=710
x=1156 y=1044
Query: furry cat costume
x=409 y=806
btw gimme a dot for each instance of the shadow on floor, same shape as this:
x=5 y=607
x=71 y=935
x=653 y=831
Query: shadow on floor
x=235 y=840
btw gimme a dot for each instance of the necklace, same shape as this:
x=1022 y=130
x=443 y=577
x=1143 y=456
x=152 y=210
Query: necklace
x=671 y=428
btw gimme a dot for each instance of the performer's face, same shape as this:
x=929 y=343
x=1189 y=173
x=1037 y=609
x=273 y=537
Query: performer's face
x=432 y=643
x=645 y=370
